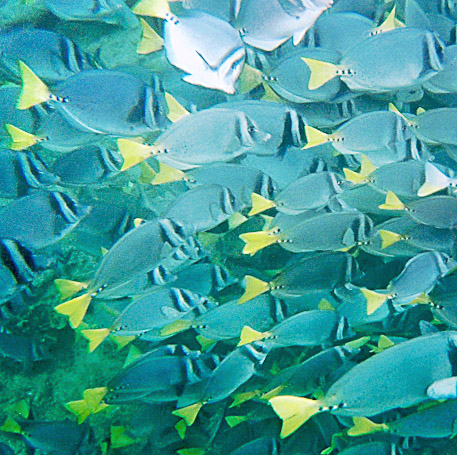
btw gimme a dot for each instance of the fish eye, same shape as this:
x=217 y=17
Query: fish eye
x=251 y=129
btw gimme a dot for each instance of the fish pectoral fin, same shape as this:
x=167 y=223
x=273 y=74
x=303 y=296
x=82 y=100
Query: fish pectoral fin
x=294 y=411
x=20 y=139
x=68 y=288
x=249 y=335
x=260 y=204
x=256 y=241
x=320 y=72
x=75 y=309
x=175 y=327
x=233 y=421
x=392 y=202
x=34 y=90
x=362 y=425
x=152 y=8
x=167 y=174
x=443 y=389
x=388 y=238
x=374 y=299
x=189 y=413
x=253 y=288
x=133 y=152
x=151 y=41
x=176 y=110
x=314 y=137
x=95 y=337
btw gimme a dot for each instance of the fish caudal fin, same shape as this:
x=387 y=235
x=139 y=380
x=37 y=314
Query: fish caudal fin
x=321 y=72
x=392 y=202
x=249 y=79
x=241 y=398
x=75 y=309
x=435 y=180
x=189 y=413
x=122 y=341
x=95 y=337
x=388 y=238
x=315 y=137
x=167 y=174
x=133 y=152
x=374 y=299
x=20 y=139
x=362 y=425
x=254 y=287
x=175 y=327
x=191 y=451
x=91 y=403
x=205 y=343
x=176 y=110
x=151 y=41
x=294 y=411
x=34 y=91
x=249 y=335
x=354 y=177
x=11 y=426
x=260 y=204
x=256 y=241
x=153 y=8
x=233 y=421
x=118 y=438
x=68 y=288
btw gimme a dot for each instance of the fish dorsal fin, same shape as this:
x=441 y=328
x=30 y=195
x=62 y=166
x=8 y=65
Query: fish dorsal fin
x=374 y=299
x=176 y=110
x=294 y=411
x=133 y=152
x=68 y=288
x=118 y=438
x=320 y=72
x=390 y=23
x=20 y=139
x=152 y=8
x=167 y=174
x=233 y=421
x=151 y=41
x=34 y=91
x=315 y=137
x=256 y=241
x=249 y=79
x=362 y=425
x=260 y=204
x=392 y=202
x=249 y=335
x=366 y=166
x=95 y=337
x=75 y=309
x=388 y=238
x=254 y=287
x=189 y=413
x=132 y=355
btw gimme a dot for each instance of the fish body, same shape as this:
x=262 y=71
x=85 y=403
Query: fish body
x=430 y=125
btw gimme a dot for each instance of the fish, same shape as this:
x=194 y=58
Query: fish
x=266 y=27
x=196 y=140
x=53 y=57
x=190 y=46
x=343 y=230
x=436 y=180
x=373 y=448
x=41 y=219
x=119 y=265
x=100 y=101
x=407 y=375
x=313 y=274
x=418 y=277
x=259 y=446
x=308 y=328
x=225 y=9
x=429 y=125
x=444 y=81
x=312 y=191
x=412 y=55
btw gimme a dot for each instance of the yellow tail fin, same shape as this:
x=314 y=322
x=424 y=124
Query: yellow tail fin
x=118 y=437
x=153 y=8
x=362 y=425
x=321 y=72
x=175 y=327
x=233 y=421
x=254 y=287
x=11 y=426
x=189 y=413
x=205 y=343
x=176 y=110
x=132 y=355
x=389 y=238
x=249 y=335
x=95 y=337
x=75 y=308
x=167 y=174
x=260 y=204
x=374 y=299
x=191 y=451
x=355 y=177
x=270 y=95
x=324 y=304
x=392 y=202
x=273 y=393
x=427 y=188
x=90 y=404
x=249 y=78
x=235 y=219
x=315 y=137
x=68 y=288
x=241 y=398
x=150 y=40
x=294 y=411
x=133 y=152
x=20 y=139
x=420 y=110
x=34 y=91
x=256 y=241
